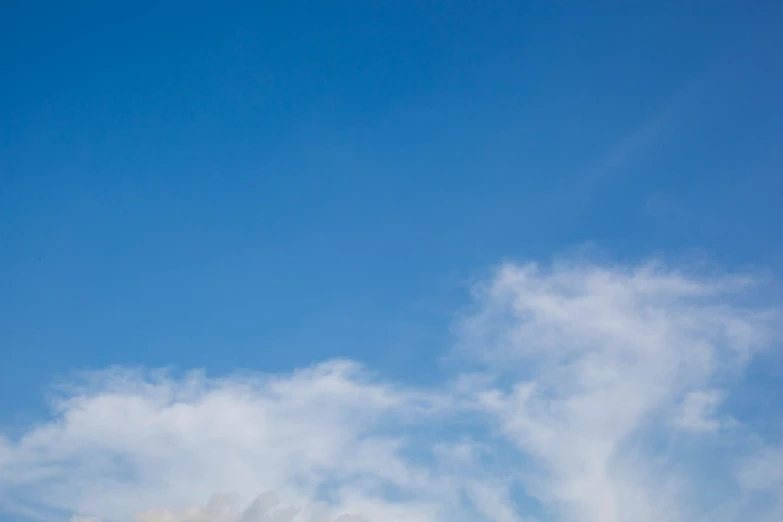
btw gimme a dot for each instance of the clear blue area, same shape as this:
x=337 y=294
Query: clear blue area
x=267 y=184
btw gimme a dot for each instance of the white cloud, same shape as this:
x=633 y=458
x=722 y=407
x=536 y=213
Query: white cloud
x=599 y=356
x=761 y=476
x=764 y=470
x=697 y=411
x=127 y=440
x=584 y=378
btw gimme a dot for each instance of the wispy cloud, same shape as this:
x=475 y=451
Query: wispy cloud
x=605 y=359
x=589 y=384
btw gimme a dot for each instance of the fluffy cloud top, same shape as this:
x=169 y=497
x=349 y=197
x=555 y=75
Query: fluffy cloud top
x=593 y=393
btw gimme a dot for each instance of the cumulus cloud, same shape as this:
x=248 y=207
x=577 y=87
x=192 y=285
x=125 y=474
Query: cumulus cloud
x=599 y=357
x=586 y=389
x=324 y=438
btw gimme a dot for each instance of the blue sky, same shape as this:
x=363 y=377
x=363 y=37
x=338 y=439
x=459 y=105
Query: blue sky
x=265 y=187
